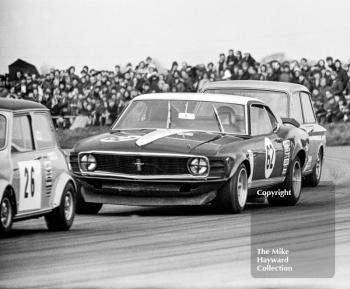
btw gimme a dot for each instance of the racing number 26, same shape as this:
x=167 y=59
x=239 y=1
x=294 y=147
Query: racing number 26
x=29 y=182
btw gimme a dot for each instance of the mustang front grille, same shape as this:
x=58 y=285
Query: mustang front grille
x=141 y=165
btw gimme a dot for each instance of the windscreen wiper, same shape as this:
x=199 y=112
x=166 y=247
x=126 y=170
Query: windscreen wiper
x=219 y=136
x=169 y=116
x=218 y=119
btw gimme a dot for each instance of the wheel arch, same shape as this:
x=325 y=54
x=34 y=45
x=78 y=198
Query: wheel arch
x=245 y=159
x=60 y=184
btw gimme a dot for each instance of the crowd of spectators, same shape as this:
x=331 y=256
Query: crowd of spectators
x=101 y=95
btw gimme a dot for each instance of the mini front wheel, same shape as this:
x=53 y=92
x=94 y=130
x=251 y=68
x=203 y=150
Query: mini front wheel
x=6 y=213
x=62 y=217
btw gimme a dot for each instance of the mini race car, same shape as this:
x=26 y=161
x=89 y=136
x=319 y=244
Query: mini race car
x=190 y=149
x=34 y=174
x=292 y=102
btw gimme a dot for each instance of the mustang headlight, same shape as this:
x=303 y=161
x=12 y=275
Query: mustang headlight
x=88 y=163
x=198 y=166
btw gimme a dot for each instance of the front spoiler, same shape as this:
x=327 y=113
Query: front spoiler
x=145 y=194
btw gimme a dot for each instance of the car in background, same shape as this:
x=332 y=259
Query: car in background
x=190 y=149
x=292 y=102
x=34 y=173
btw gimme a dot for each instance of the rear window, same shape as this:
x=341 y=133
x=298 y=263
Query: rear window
x=277 y=101
x=2 y=131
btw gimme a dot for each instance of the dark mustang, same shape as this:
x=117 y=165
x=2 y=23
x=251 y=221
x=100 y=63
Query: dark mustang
x=190 y=149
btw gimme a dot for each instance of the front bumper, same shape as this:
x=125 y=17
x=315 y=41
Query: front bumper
x=148 y=192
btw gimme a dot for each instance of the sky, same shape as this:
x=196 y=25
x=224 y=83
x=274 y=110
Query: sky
x=103 y=33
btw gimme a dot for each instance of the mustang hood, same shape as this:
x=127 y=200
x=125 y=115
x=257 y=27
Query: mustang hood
x=158 y=141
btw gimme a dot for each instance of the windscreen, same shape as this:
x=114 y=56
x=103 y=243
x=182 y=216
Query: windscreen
x=183 y=114
x=277 y=101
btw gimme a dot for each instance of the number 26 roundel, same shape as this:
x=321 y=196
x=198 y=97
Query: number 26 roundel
x=270 y=157
x=30 y=183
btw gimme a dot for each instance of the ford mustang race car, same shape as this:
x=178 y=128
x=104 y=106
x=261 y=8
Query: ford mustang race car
x=190 y=149
x=290 y=101
x=34 y=174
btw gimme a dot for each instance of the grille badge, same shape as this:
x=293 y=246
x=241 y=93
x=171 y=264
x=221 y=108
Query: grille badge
x=138 y=165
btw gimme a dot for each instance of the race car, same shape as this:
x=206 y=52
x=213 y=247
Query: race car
x=292 y=102
x=34 y=174
x=190 y=149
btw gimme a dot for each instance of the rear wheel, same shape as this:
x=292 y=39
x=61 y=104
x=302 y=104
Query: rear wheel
x=62 y=217
x=232 y=197
x=6 y=213
x=292 y=186
x=85 y=207
x=314 y=178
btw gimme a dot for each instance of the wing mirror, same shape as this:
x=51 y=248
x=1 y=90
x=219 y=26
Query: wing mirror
x=291 y=121
x=276 y=128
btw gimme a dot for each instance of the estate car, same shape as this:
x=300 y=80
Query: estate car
x=292 y=102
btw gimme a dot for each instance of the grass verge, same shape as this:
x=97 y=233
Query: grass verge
x=338 y=134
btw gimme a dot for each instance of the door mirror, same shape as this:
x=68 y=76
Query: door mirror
x=291 y=121
x=276 y=128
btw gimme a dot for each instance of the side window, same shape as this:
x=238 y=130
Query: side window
x=272 y=118
x=44 y=132
x=22 y=139
x=2 y=131
x=259 y=121
x=295 y=107
x=308 y=112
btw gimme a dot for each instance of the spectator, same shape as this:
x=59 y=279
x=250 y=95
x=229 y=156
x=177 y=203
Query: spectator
x=341 y=73
x=231 y=59
x=337 y=85
x=330 y=63
x=221 y=64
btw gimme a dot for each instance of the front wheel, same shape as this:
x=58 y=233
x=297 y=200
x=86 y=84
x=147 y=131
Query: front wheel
x=6 y=213
x=291 y=185
x=314 y=178
x=62 y=217
x=232 y=197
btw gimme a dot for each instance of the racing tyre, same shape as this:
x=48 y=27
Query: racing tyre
x=7 y=213
x=62 y=217
x=291 y=184
x=85 y=207
x=314 y=178
x=232 y=197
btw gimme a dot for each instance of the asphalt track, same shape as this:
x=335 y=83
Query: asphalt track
x=135 y=247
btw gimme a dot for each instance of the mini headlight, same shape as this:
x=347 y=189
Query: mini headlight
x=198 y=166
x=88 y=163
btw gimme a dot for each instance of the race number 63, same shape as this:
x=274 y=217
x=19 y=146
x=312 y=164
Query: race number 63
x=30 y=183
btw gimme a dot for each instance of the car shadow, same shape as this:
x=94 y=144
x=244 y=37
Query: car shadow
x=173 y=211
